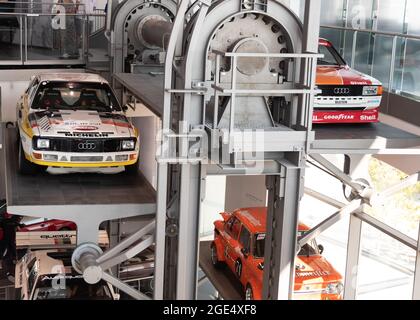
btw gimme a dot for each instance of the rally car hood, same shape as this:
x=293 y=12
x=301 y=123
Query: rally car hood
x=342 y=75
x=314 y=269
x=68 y=123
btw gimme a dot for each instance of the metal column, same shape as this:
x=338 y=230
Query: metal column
x=282 y=223
x=353 y=255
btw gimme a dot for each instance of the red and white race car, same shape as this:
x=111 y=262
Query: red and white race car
x=348 y=96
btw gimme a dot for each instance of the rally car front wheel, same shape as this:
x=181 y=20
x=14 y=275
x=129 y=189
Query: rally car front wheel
x=26 y=167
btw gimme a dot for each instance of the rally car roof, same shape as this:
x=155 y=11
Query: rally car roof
x=255 y=219
x=71 y=77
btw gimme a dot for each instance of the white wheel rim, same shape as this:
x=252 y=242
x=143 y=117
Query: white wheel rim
x=248 y=294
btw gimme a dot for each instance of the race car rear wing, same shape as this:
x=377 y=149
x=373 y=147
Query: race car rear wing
x=44 y=240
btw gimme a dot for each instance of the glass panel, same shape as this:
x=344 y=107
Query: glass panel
x=412 y=17
x=411 y=69
x=386 y=267
x=360 y=14
x=10 y=36
x=49 y=38
x=391 y=15
x=332 y=13
x=363 y=59
x=382 y=54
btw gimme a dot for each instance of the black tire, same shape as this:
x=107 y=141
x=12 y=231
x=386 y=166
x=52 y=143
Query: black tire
x=249 y=293
x=26 y=167
x=132 y=168
x=238 y=268
x=214 y=258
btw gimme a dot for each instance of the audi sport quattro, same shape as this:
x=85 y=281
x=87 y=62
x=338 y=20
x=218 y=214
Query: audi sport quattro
x=348 y=96
x=239 y=241
x=73 y=120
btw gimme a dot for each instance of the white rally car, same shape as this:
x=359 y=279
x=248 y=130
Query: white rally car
x=73 y=120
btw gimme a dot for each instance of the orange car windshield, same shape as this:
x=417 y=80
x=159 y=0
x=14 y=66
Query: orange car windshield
x=259 y=244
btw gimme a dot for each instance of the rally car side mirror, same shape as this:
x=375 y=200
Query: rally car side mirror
x=321 y=248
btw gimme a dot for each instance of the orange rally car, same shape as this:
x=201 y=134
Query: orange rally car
x=348 y=96
x=239 y=242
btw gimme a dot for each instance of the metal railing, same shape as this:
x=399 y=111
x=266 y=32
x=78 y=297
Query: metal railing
x=392 y=58
x=99 y=19
x=43 y=38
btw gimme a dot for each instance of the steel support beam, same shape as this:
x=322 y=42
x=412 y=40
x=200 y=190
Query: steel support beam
x=339 y=174
x=353 y=255
x=188 y=236
x=330 y=221
x=124 y=287
x=389 y=231
x=282 y=222
x=326 y=199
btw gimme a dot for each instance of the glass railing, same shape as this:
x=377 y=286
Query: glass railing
x=46 y=33
x=392 y=58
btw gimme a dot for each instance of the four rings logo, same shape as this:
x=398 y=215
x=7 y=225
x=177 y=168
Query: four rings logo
x=86 y=146
x=341 y=90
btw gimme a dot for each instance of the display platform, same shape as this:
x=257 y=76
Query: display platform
x=48 y=189
x=335 y=138
x=223 y=280
x=71 y=195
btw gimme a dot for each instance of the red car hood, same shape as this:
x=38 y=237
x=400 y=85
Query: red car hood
x=342 y=75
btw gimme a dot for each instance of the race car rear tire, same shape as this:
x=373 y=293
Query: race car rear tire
x=26 y=167
x=214 y=257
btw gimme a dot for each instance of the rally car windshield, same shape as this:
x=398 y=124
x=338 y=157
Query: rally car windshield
x=331 y=57
x=75 y=96
x=51 y=287
x=259 y=243
x=309 y=249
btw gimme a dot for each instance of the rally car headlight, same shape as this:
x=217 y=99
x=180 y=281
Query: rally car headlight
x=334 y=288
x=42 y=144
x=372 y=90
x=128 y=144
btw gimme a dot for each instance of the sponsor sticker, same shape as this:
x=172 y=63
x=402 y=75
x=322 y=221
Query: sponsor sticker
x=85 y=128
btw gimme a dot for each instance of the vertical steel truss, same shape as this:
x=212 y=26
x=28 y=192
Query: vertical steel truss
x=176 y=244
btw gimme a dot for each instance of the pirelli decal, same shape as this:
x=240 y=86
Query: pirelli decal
x=86 y=134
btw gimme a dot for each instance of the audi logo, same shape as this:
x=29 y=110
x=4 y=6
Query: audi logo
x=341 y=90
x=86 y=146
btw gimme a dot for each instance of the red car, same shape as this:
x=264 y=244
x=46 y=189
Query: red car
x=49 y=225
x=348 y=96
x=239 y=241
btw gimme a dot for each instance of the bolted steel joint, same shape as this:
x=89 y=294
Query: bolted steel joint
x=84 y=262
